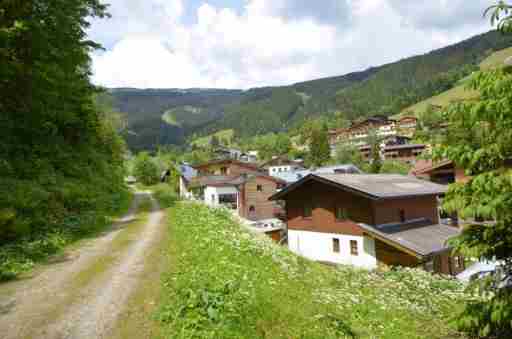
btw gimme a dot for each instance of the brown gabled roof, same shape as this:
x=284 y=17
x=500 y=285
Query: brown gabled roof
x=248 y=165
x=223 y=180
x=423 y=166
x=371 y=186
x=419 y=237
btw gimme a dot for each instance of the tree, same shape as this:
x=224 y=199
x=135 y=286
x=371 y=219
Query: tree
x=501 y=15
x=319 y=149
x=479 y=139
x=214 y=141
x=395 y=167
x=270 y=145
x=347 y=153
x=57 y=150
x=145 y=169
x=374 y=141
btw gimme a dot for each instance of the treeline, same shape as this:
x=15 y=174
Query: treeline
x=61 y=158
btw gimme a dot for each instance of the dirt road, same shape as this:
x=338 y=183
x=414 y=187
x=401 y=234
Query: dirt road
x=86 y=294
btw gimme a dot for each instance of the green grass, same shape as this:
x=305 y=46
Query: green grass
x=459 y=92
x=21 y=256
x=226 y=283
x=225 y=134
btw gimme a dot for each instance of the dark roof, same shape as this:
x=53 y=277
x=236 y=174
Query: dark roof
x=223 y=180
x=187 y=171
x=426 y=166
x=406 y=146
x=249 y=165
x=372 y=186
x=418 y=236
x=217 y=180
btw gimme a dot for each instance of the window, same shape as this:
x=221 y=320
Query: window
x=402 y=216
x=341 y=214
x=308 y=211
x=213 y=198
x=353 y=247
x=223 y=170
x=259 y=188
x=252 y=209
x=336 y=245
x=458 y=262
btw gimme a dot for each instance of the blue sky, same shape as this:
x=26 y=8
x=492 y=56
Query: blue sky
x=250 y=43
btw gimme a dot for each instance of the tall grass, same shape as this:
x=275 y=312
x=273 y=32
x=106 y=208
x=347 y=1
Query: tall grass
x=226 y=283
x=22 y=254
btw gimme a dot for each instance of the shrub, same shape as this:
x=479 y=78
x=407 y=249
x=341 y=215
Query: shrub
x=145 y=170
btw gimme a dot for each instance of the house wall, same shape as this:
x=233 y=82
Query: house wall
x=390 y=256
x=388 y=211
x=319 y=246
x=324 y=199
x=232 y=169
x=250 y=196
x=211 y=194
x=184 y=192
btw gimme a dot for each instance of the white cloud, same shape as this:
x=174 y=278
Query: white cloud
x=267 y=42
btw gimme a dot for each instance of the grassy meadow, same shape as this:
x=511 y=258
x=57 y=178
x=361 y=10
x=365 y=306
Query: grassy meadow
x=224 y=282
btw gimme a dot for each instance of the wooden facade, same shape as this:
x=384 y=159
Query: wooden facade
x=254 y=198
x=226 y=167
x=315 y=207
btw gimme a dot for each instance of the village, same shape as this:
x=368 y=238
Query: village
x=256 y=169
x=338 y=214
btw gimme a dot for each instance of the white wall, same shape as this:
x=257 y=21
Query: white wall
x=211 y=194
x=279 y=169
x=318 y=246
x=184 y=192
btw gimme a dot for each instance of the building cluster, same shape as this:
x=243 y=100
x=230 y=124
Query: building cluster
x=333 y=214
x=395 y=137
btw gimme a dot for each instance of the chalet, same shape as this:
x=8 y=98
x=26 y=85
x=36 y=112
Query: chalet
x=247 y=194
x=367 y=220
x=402 y=152
x=240 y=186
x=442 y=172
x=406 y=125
x=230 y=167
x=282 y=164
x=293 y=176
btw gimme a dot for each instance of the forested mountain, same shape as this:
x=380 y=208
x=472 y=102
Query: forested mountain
x=170 y=116
x=165 y=116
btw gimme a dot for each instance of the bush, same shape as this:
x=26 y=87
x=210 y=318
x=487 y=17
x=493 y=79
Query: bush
x=145 y=170
x=165 y=195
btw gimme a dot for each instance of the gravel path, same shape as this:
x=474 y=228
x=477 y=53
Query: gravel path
x=83 y=296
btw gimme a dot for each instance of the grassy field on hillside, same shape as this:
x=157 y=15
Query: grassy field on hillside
x=224 y=282
x=225 y=134
x=459 y=92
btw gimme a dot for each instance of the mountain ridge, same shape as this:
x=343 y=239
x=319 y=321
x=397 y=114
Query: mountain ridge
x=386 y=89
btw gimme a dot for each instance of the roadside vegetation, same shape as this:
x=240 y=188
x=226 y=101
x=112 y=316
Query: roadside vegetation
x=61 y=155
x=224 y=282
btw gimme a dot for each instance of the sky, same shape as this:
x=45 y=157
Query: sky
x=254 y=43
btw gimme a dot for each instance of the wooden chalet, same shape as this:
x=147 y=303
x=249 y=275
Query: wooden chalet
x=367 y=220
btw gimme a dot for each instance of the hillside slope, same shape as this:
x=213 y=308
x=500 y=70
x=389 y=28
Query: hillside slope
x=459 y=92
x=223 y=282
x=384 y=90
x=171 y=116
x=165 y=116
